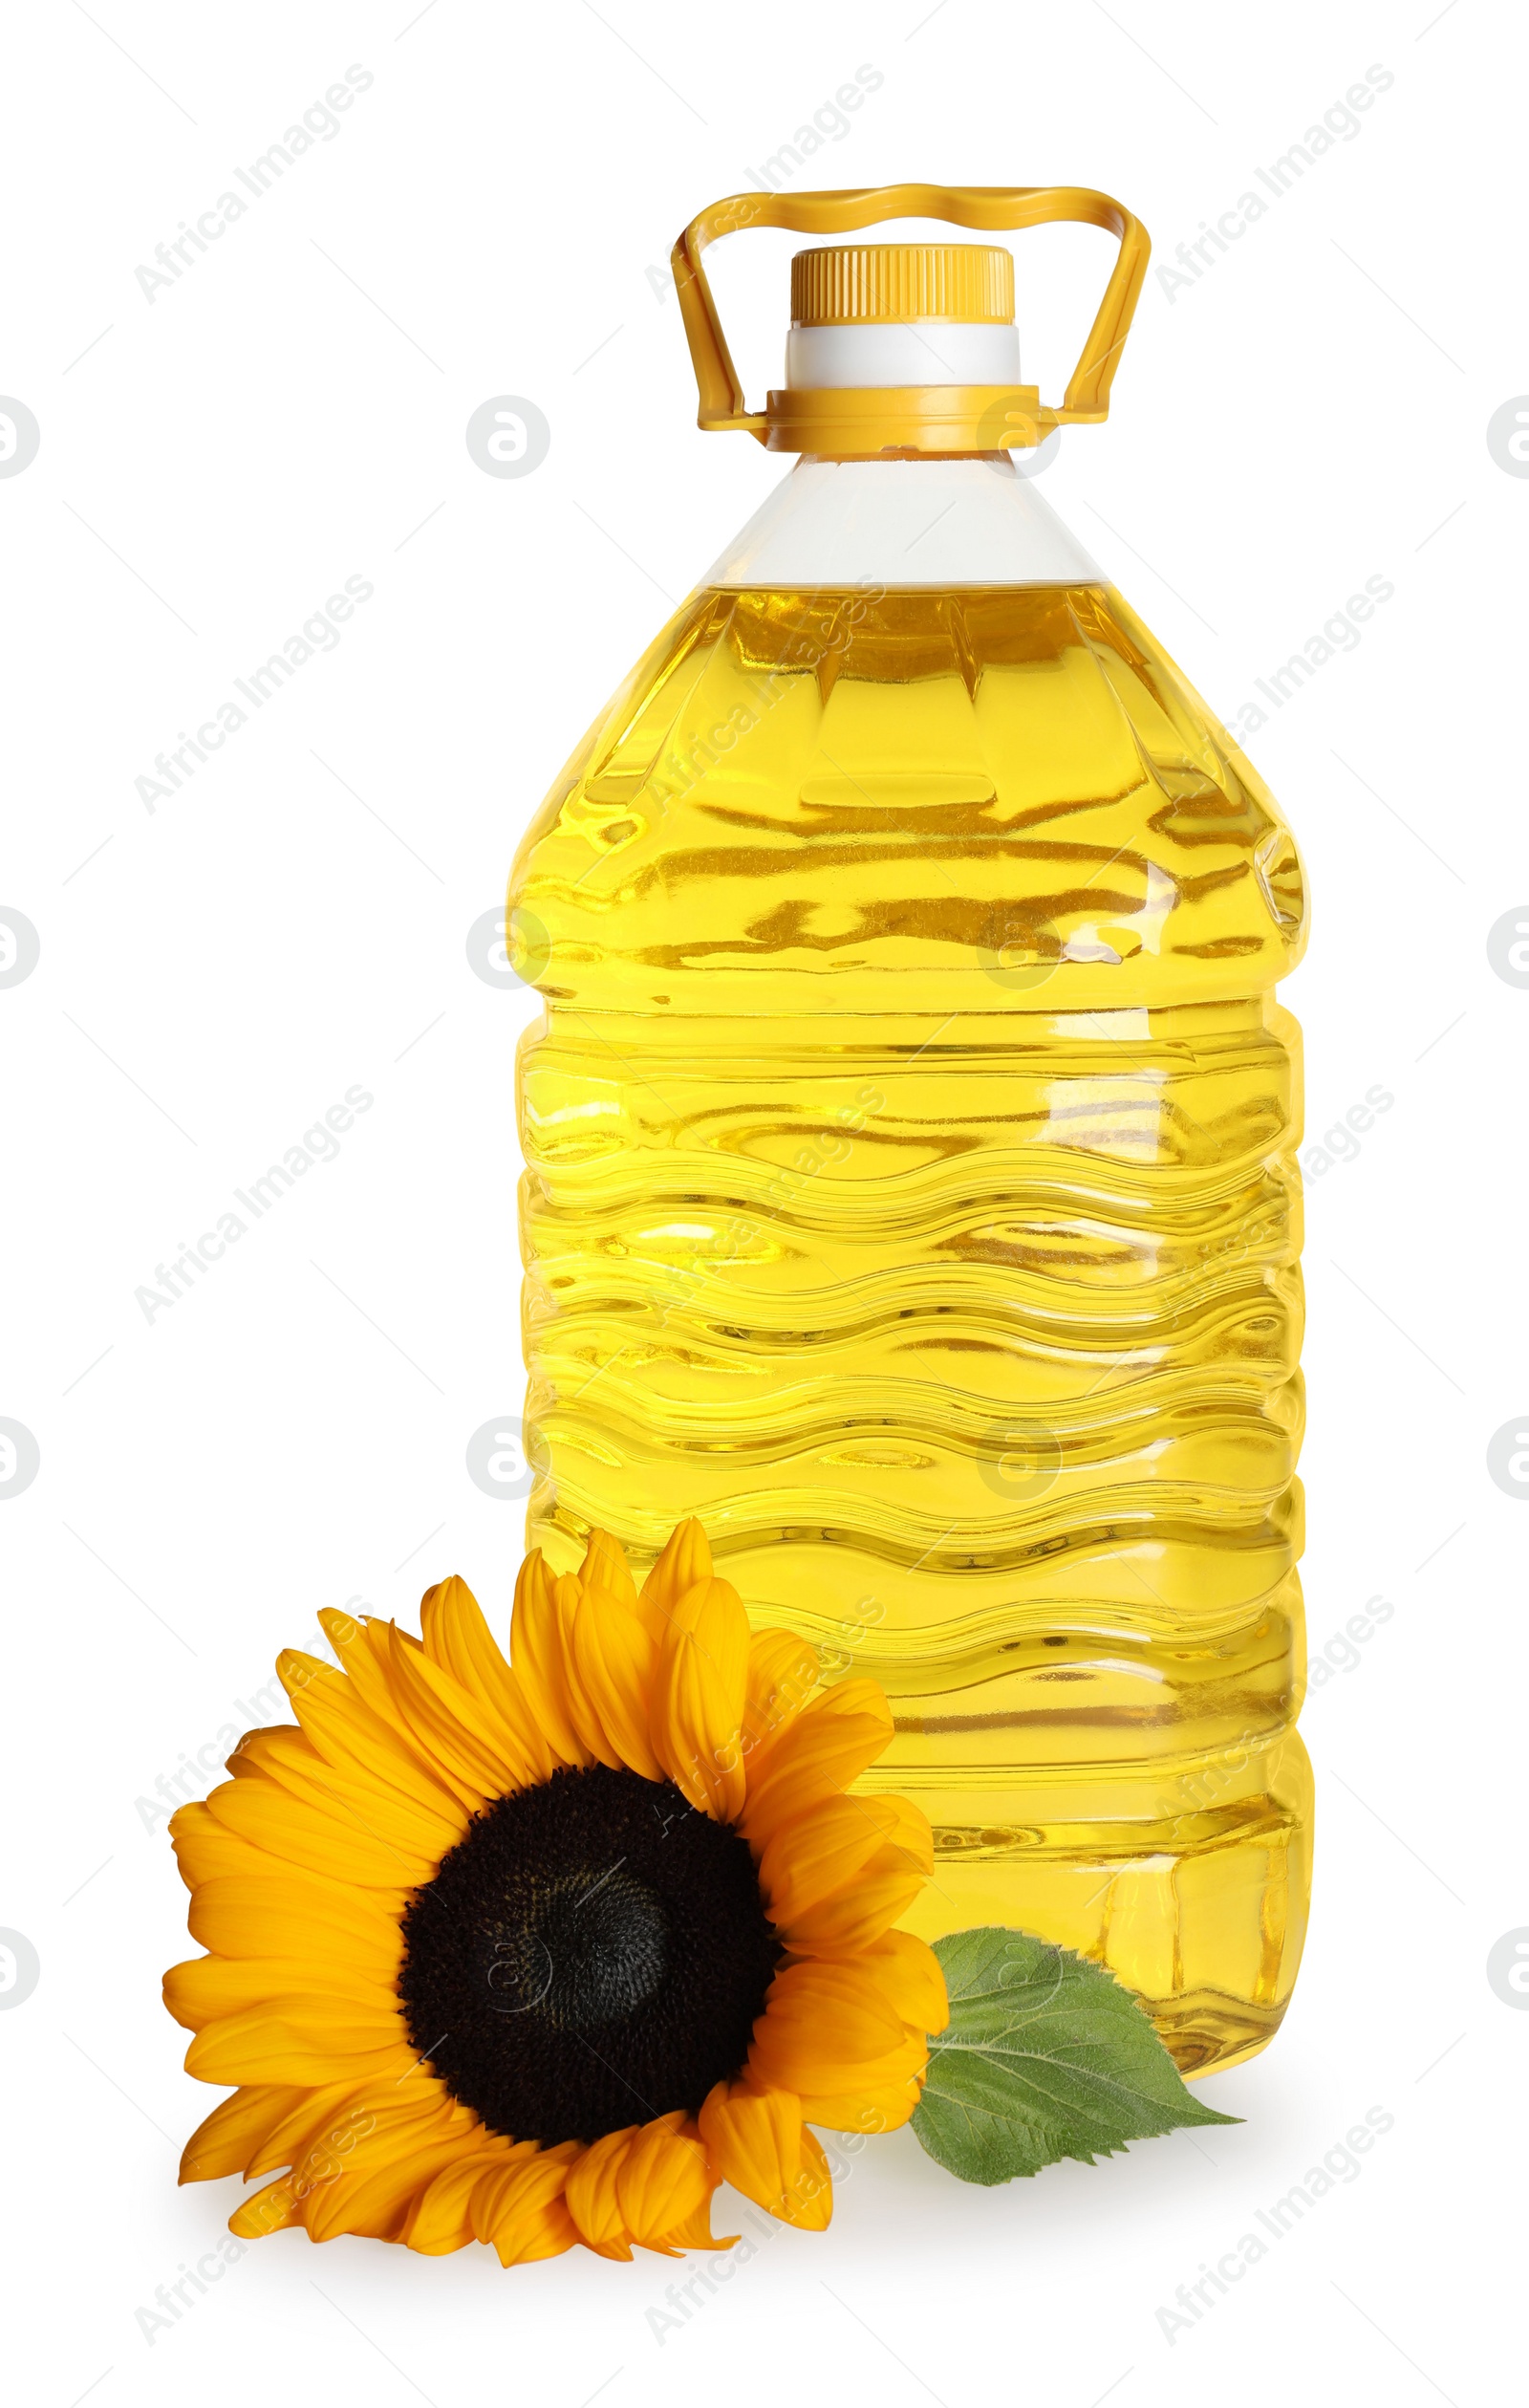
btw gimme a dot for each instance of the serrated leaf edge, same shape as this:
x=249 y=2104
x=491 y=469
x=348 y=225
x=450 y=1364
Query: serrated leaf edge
x=1127 y=2093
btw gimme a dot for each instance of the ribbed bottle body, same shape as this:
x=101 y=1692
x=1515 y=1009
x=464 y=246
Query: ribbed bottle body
x=911 y=1193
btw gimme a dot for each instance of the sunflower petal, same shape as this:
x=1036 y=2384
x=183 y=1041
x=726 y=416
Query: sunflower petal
x=289 y=1759
x=849 y=1921
x=523 y=2210
x=365 y=1669
x=367 y=1655
x=908 y=1972
x=698 y=1707
x=811 y=2197
x=439 y=2222
x=820 y=1751
x=783 y=1673
x=303 y=2040
x=615 y=1658
x=319 y=1841
x=357 y=2167
x=226 y=2141
x=877 y=2108
x=757 y=2142
x=316 y=2121
x=815 y=1854
x=349 y=1734
x=539 y=1652
x=271 y=2210
x=817 y=2071
x=376 y=2198
x=586 y=1722
x=605 y=1567
x=684 y=1563
x=205 y=1851
x=694 y=2233
x=591 y=2196
x=454 y=1729
x=537 y=2232
x=827 y=2026
x=662 y=2178
x=296 y=1915
x=238 y=1760
x=198 y=1992
x=459 y=1639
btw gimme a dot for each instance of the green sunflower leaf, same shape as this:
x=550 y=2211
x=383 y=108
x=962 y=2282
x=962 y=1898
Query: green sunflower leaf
x=1046 y=2056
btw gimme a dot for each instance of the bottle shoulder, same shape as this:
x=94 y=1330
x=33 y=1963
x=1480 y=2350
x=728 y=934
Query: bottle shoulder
x=950 y=523
x=994 y=797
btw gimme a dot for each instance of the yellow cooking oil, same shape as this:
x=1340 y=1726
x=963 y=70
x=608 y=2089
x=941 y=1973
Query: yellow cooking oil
x=911 y=1193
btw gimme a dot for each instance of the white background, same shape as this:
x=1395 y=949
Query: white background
x=1308 y=412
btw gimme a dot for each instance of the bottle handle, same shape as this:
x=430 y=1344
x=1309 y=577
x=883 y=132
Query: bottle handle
x=986 y=208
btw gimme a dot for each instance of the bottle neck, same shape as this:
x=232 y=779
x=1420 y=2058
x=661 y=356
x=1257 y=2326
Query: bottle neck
x=910 y=519
x=917 y=351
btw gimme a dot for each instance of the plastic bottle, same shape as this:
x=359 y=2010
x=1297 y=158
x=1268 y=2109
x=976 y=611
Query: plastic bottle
x=910 y=1183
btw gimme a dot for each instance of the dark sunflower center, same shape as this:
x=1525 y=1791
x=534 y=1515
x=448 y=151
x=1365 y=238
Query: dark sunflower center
x=593 y=1947
x=592 y=1954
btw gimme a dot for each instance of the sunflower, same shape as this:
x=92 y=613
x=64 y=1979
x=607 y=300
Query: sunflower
x=541 y=1951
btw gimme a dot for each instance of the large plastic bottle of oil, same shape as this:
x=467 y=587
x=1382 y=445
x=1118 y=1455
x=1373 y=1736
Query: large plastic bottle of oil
x=911 y=1185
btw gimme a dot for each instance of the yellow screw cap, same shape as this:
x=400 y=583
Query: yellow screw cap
x=887 y=284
